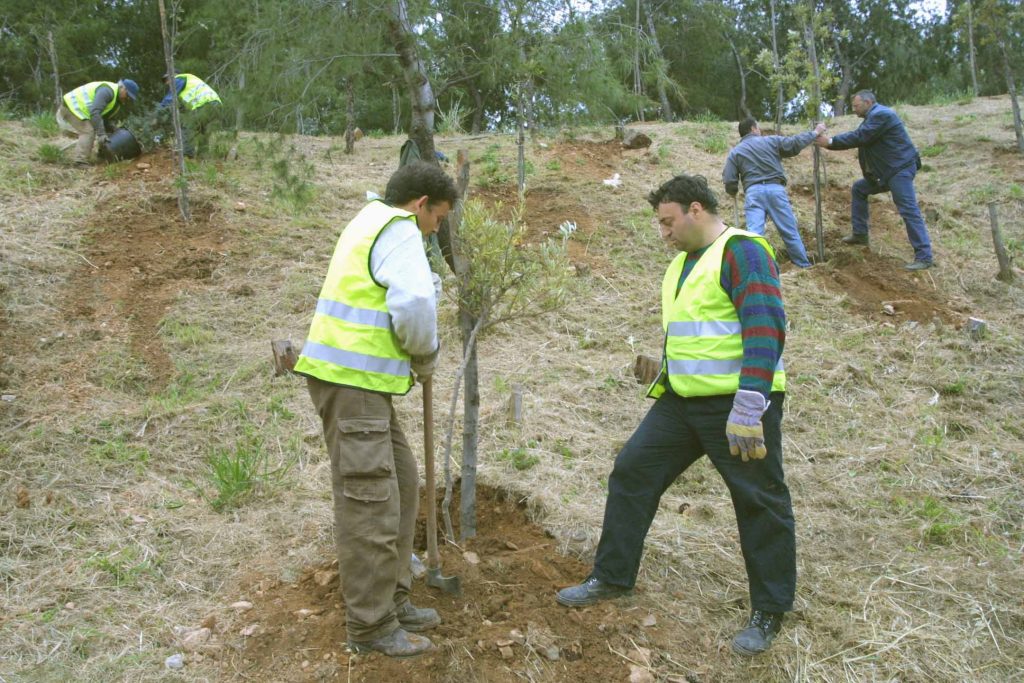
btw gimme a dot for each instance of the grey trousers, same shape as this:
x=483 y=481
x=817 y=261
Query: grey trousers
x=375 y=484
x=69 y=123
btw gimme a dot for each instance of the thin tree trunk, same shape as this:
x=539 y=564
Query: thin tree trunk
x=1011 y=86
x=239 y=107
x=666 y=107
x=350 y=115
x=638 y=83
x=521 y=145
x=396 y=110
x=846 y=81
x=468 y=326
x=744 y=110
x=476 y=122
x=776 y=65
x=970 y=45
x=421 y=129
x=179 y=146
x=812 y=54
x=56 y=73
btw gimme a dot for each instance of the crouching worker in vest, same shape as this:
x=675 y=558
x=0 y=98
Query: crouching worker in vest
x=200 y=110
x=374 y=328
x=720 y=393
x=86 y=111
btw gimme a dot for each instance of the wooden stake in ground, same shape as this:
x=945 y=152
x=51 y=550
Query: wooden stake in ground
x=179 y=142
x=56 y=73
x=1005 y=269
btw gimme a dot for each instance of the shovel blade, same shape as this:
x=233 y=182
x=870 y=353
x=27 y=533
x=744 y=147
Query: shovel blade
x=448 y=584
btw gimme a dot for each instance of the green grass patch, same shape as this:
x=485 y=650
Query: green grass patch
x=124 y=566
x=50 y=154
x=236 y=473
x=185 y=334
x=44 y=123
x=520 y=458
x=934 y=150
x=120 y=452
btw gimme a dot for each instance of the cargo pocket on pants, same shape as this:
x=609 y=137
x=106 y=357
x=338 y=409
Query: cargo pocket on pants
x=366 y=461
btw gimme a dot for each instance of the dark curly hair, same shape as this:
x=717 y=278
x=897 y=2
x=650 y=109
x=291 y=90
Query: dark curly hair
x=684 y=190
x=419 y=178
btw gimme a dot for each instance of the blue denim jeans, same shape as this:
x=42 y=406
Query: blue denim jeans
x=675 y=434
x=901 y=186
x=772 y=201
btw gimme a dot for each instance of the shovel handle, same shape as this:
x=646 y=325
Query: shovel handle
x=433 y=559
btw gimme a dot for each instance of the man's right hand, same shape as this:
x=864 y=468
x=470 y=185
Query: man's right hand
x=820 y=129
x=423 y=366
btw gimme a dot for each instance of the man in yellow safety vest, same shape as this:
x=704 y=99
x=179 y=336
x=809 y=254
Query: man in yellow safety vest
x=201 y=105
x=374 y=328
x=720 y=393
x=86 y=110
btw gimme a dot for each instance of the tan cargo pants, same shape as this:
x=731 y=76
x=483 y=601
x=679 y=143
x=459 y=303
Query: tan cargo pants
x=69 y=123
x=375 y=482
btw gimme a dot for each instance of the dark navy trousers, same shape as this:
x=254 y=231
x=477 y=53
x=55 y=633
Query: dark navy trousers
x=674 y=434
x=901 y=186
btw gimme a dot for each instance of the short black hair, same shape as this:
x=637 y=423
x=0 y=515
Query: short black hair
x=865 y=95
x=684 y=190
x=746 y=125
x=417 y=179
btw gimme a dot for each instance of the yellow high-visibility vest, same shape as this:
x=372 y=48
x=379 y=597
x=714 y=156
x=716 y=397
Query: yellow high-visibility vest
x=196 y=92
x=703 y=339
x=81 y=98
x=351 y=341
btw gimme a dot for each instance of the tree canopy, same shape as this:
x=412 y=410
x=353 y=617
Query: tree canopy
x=291 y=65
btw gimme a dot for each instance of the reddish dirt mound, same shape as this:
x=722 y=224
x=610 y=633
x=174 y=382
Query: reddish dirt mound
x=593 y=160
x=546 y=209
x=141 y=255
x=507 y=601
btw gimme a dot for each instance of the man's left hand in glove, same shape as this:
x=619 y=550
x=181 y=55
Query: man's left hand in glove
x=743 y=428
x=423 y=366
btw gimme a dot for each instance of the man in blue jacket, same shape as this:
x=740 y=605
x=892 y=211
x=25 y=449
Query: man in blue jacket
x=889 y=162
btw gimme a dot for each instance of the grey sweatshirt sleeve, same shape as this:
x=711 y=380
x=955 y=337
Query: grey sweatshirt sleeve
x=104 y=96
x=791 y=146
x=399 y=262
x=730 y=175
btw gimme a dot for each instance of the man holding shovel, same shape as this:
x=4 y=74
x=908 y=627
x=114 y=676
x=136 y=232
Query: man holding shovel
x=374 y=328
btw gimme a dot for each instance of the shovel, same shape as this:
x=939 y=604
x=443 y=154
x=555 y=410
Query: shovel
x=448 y=584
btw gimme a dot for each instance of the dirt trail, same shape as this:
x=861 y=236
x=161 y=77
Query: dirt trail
x=141 y=255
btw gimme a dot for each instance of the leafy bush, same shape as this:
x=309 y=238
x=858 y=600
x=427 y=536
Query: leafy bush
x=43 y=123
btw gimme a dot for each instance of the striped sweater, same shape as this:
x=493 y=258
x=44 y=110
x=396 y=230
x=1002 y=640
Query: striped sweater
x=751 y=279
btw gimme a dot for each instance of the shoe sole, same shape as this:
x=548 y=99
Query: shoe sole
x=358 y=649
x=745 y=652
x=585 y=603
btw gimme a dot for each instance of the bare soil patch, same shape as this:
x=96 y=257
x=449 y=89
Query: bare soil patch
x=585 y=159
x=141 y=255
x=507 y=601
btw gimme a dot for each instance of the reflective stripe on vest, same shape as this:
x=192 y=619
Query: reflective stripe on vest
x=351 y=341
x=81 y=98
x=196 y=92
x=703 y=336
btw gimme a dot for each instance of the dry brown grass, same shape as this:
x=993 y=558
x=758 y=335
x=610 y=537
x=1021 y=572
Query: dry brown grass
x=905 y=453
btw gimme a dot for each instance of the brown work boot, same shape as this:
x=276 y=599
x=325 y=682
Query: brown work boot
x=417 y=619
x=398 y=643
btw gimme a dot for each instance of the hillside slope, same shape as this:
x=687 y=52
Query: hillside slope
x=135 y=353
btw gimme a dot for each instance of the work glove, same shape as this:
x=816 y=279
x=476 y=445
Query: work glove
x=102 y=139
x=423 y=366
x=743 y=428
x=437 y=285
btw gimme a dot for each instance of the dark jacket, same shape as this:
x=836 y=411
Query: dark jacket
x=883 y=146
x=758 y=158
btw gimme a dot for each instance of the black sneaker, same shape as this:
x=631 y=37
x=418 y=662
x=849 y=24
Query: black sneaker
x=856 y=239
x=398 y=643
x=919 y=265
x=591 y=591
x=759 y=633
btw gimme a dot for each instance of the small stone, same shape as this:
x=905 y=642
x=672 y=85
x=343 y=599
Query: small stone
x=649 y=620
x=511 y=546
x=888 y=309
x=503 y=643
x=142 y=166
x=240 y=206
x=250 y=630
x=69 y=605
x=303 y=613
x=305 y=664
x=506 y=652
x=8 y=398
x=324 y=577
x=638 y=674
x=419 y=570
x=195 y=639
x=328 y=656
x=175 y=662
x=241 y=606
x=471 y=557
x=517 y=636
x=552 y=653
